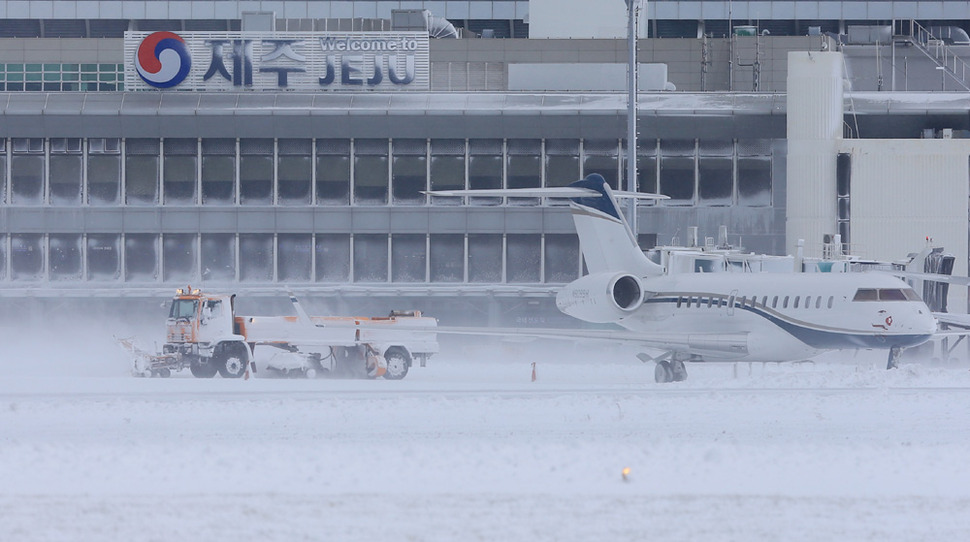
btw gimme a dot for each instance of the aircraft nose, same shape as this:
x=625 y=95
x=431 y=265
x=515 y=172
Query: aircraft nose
x=927 y=324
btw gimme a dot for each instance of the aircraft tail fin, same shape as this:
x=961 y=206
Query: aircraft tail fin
x=604 y=235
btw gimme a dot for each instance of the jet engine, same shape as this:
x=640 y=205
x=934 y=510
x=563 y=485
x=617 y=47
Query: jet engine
x=601 y=297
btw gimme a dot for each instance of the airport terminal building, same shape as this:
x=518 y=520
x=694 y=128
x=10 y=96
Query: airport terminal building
x=288 y=145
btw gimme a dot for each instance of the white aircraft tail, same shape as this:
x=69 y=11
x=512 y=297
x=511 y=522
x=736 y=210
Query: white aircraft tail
x=604 y=235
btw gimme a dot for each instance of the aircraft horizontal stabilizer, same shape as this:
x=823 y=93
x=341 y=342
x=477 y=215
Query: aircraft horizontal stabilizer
x=567 y=192
x=934 y=277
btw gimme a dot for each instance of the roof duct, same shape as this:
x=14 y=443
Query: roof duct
x=421 y=20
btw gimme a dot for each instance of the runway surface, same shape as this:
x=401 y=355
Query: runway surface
x=470 y=448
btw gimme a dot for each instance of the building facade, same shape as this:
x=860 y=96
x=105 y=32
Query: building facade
x=110 y=186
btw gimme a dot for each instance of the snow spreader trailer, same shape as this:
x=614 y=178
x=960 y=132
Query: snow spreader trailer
x=205 y=334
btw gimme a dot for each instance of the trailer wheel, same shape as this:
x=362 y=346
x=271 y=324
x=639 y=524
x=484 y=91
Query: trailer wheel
x=398 y=363
x=202 y=367
x=232 y=363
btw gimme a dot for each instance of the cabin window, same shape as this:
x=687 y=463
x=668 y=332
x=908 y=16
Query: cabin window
x=710 y=301
x=818 y=302
x=797 y=297
x=744 y=299
x=831 y=300
x=697 y=302
x=679 y=301
x=764 y=302
x=784 y=304
x=774 y=302
x=808 y=302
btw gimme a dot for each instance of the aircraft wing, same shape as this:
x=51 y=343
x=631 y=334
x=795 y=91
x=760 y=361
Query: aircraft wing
x=719 y=345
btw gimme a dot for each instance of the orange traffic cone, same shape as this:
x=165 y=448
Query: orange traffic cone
x=533 y=371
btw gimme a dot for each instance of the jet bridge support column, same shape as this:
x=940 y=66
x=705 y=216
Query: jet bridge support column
x=814 y=115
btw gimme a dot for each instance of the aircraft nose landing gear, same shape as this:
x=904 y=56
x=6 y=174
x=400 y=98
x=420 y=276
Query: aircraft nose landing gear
x=894 y=354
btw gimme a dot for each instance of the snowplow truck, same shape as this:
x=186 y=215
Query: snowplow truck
x=205 y=334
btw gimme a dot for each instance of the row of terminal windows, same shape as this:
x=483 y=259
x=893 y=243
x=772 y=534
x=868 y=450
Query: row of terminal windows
x=322 y=258
x=753 y=302
x=59 y=77
x=302 y=172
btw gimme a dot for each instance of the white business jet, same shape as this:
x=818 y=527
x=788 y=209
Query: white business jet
x=717 y=316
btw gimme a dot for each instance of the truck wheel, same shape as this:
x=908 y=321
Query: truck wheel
x=203 y=367
x=398 y=363
x=233 y=362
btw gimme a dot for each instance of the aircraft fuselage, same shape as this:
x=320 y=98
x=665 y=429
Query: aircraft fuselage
x=786 y=316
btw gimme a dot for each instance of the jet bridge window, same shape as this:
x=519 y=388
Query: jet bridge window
x=27 y=172
x=677 y=165
x=179 y=260
x=218 y=256
x=333 y=171
x=180 y=170
x=27 y=256
x=141 y=171
x=332 y=253
x=218 y=171
x=64 y=171
x=294 y=170
x=256 y=171
x=523 y=166
x=410 y=171
x=103 y=260
x=447 y=167
x=602 y=156
x=485 y=166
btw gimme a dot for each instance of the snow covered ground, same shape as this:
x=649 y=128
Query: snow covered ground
x=469 y=448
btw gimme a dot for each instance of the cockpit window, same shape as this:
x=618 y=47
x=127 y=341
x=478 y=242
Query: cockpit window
x=891 y=295
x=866 y=294
x=911 y=294
x=885 y=294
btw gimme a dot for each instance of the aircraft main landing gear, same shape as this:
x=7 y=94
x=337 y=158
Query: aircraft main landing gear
x=670 y=371
x=666 y=371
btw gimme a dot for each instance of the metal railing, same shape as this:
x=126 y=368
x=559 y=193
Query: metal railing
x=935 y=48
